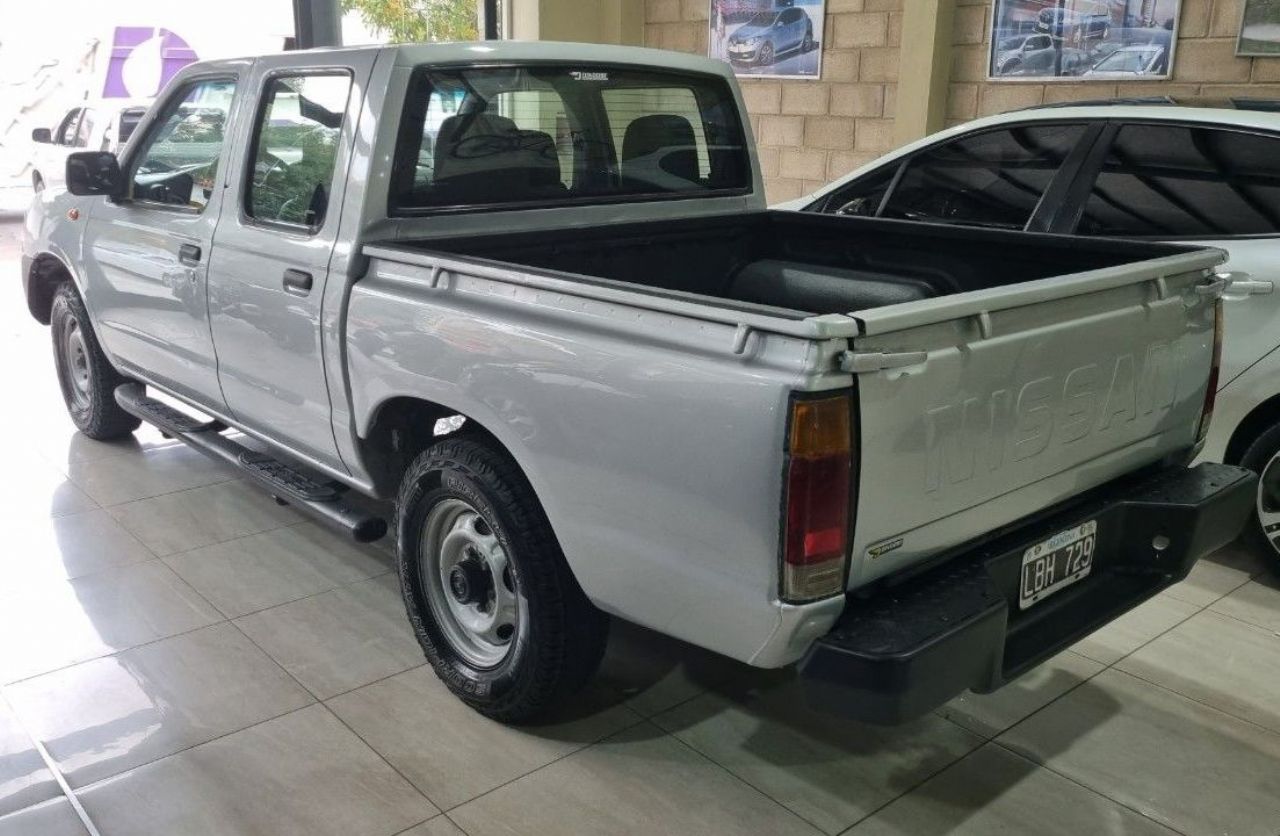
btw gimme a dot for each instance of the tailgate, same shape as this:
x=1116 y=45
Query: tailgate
x=981 y=408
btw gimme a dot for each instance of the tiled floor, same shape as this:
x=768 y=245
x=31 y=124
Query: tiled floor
x=178 y=655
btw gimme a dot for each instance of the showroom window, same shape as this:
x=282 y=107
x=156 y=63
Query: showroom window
x=563 y=134
x=179 y=158
x=992 y=179
x=1176 y=180
x=295 y=147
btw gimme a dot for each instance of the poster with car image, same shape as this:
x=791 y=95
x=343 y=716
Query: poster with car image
x=1259 y=28
x=774 y=38
x=1065 y=40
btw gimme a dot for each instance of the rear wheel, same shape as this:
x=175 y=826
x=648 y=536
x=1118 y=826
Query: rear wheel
x=85 y=375
x=1263 y=531
x=807 y=46
x=489 y=594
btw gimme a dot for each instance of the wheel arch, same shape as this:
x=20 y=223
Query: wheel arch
x=1259 y=420
x=45 y=273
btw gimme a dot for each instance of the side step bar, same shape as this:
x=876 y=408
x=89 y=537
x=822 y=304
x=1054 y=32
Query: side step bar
x=322 y=500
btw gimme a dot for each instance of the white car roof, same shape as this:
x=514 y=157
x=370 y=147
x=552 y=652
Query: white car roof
x=1207 y=115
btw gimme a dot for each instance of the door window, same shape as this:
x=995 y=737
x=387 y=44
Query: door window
x=178 y=160
x=1171 y=181
x=295 y=149
x=863 y=196
x=66 y=132
x=991 y=179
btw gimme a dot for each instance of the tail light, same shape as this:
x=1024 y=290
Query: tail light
x=1211 y=394
x=815 y=540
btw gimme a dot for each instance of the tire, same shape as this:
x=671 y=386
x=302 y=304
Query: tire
x=766 y=56
x=807 y=44
x=85 y=375
x=1263 y=458
x=467 y=521
x=37 y=182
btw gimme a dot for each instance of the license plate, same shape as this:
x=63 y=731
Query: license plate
x=1058 y=562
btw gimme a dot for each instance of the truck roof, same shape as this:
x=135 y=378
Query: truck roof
x=472 y=52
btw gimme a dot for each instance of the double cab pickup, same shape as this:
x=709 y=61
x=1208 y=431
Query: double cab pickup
x=528 y=298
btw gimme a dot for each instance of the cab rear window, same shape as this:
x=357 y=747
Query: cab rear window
x=557 y=134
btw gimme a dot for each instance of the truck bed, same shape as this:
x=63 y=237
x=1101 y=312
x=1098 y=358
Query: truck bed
x=799 y=262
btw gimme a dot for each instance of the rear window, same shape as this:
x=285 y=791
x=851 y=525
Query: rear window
x=556 y=134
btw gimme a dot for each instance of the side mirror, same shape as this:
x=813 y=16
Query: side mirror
x=42 y=135
x=91 y=173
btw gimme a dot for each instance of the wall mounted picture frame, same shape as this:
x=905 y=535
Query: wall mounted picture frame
x=1083 y=40
x=768 y=38
x=1259 y=29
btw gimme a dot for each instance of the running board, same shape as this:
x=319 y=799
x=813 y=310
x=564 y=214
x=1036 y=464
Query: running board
x=322 y=500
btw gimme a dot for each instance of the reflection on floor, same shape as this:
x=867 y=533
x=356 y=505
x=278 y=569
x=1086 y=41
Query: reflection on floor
x=192 y=659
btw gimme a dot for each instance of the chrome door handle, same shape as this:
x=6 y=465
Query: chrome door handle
x=297 y=282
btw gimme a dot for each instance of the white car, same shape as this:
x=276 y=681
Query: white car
x=1143 y=59
x=103 y=126
x=1125 y=168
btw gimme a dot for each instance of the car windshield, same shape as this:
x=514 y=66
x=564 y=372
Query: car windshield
x=762 y=19
x=1011 y=43
x=1126 y=61
x=556 y=134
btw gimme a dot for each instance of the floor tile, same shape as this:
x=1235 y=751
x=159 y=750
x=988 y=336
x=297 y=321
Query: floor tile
x=1182 y=763
x=24 y=779
x=1134 y=629
x=656 y=672
x=830 y=771
x=996 y=791
x=43 y=491
x=120 y=479
x=108 y=715
x=1218 y=660
x=1257 y=602
x=990 y=714
x=303 y=774
x=203 y=516
x=54 y=817
x=65 y=547
x=439 y=826
x=341 y=639
x=637 y=782
x=452 y=753
x=64 y=622
x=1215 y=576
x=62 y=445
x=263 y=570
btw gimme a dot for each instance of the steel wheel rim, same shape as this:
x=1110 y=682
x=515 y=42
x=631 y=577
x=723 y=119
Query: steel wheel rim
x=75 y=356
x=1268 y=502
x=484 y=618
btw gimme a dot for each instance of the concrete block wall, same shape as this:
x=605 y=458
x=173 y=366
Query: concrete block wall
x=1204 y=64
x=810 y=132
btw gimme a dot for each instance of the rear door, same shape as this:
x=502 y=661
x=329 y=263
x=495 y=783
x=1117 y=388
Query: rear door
x=275 y=243
x=1198 y=184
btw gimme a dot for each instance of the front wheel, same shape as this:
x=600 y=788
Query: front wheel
x=85 y=375
x=489 y=594
x=766 y=55
x=1263 y=531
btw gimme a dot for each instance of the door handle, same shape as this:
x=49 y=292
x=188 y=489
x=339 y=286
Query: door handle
x=297 y=282
x=189 y=254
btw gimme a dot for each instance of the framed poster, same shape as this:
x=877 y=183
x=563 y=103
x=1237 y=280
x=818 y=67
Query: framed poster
x=768 y=38
x=1082 y=40
x=1259 y=28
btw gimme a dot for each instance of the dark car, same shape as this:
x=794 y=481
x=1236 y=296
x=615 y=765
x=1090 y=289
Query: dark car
x=769 y=34
x=1076 y=26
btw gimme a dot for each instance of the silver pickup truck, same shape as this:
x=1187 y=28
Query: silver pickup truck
x=530 y=295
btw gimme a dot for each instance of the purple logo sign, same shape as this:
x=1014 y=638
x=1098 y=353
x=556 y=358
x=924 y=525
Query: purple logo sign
x=143 y=59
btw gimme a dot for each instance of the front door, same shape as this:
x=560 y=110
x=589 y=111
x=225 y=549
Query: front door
x=274 y=247
x=148 y=255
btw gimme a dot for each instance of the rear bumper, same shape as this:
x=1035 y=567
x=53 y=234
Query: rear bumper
x=911 y=646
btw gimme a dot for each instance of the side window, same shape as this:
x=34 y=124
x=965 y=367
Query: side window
x=862 y=197
x=1171 y=181
x=177 y=164
x=991 y=179
x=85 y=130
x=295 y=148
x=66 y=132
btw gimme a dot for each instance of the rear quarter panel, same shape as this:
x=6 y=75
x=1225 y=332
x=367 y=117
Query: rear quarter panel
x=656 y=452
